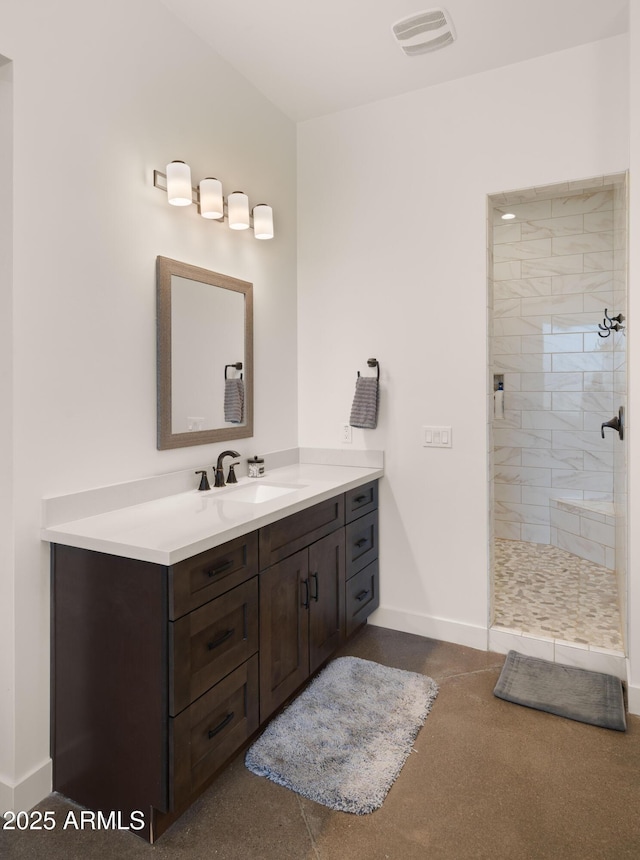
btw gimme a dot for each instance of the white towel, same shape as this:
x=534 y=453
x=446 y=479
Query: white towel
x=364 y=411
x=234 y=401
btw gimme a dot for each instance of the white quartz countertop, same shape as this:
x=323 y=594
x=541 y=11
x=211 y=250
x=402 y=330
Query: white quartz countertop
x=175 y=527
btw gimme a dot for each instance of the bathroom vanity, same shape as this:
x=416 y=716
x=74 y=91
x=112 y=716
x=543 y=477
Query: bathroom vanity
x=162 y=670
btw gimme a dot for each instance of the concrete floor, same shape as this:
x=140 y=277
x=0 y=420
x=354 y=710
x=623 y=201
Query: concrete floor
x=488 y=779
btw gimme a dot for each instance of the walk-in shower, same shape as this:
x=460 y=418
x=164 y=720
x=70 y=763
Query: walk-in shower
x=557 y=351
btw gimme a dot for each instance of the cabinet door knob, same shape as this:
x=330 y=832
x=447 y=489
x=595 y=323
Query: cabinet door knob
x=222 y=638
x=213 y=732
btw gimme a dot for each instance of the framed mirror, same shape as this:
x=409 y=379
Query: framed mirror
x=205 y=356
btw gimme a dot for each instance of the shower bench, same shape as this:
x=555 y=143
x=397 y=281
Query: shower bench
x=585 y=528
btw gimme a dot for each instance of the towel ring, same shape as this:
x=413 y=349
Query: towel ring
x=373 y=362
x=237 y=366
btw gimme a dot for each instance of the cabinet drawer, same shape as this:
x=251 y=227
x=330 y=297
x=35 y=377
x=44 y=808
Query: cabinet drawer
x=287 y=536
x=362 y=542
x=207 y=734
x=361 y=501
x=362 y=596
x=203 y=577
x=210 y=642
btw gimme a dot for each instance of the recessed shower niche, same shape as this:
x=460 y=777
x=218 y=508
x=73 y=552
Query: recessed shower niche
x=557 y=295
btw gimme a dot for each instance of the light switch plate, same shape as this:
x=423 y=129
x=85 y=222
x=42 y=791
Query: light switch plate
x=436 y=437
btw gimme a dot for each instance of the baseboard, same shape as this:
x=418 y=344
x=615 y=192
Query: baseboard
x=433 y=628
x=633 y=699
x=24 y=795
x=6 y=796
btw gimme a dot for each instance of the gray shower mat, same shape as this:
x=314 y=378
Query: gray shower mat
x=566 y=691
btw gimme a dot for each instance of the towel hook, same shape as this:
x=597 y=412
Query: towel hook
x=610 y=324
x=373 y=362
x=237 y=366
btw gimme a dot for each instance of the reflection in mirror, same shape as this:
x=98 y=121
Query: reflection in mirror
x=205 y=329
x=207 y=326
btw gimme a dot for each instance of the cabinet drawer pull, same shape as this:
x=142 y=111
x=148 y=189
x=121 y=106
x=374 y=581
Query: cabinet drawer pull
x=361 y=542
x=222 y=638
x=359 y=499
x=214 y=571
x=213 y=732
x=305 y=602
x=315 y=596
x=362 y=595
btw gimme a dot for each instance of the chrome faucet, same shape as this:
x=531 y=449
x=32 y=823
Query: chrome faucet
x=219 y=472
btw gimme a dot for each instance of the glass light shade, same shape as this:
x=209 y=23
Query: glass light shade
x=238 y=208
x=263 y=221
x=179 y=184
x=211 y=200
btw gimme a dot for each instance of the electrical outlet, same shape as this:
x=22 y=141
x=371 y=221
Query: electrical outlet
x=345 y=436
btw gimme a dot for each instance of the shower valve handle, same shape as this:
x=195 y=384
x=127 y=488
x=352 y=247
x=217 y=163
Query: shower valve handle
x=616 y=423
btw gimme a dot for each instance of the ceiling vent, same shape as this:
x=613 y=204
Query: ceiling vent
x=424 y=32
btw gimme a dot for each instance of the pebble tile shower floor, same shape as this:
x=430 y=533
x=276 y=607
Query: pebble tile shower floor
x=542 y=589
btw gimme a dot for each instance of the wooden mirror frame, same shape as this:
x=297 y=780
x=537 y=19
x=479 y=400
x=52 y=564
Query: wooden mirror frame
x=165 y=268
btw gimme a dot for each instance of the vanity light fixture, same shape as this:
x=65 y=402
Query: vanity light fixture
x=238 y=205
x=263 y=221
x=211 y=199
x=179 y=189
x=211 y=202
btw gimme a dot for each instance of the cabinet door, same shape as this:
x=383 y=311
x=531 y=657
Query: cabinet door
x=327 y=597
x=284 y=631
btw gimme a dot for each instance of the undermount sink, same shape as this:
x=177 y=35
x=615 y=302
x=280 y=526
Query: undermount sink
x=257 y=493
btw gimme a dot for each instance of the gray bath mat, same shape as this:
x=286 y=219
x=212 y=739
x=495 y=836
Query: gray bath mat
x=344 y=740
x=589 y=697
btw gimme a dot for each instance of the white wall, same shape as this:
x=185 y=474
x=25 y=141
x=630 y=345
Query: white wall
x=103 y=93
x=392 y=264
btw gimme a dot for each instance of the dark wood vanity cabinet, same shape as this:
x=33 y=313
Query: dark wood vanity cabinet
x=154 y=676
x=161 y=674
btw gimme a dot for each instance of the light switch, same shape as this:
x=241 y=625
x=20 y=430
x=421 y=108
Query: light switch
x=436 y=437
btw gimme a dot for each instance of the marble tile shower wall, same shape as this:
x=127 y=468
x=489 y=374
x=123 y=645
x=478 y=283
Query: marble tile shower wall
x=556 y=267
